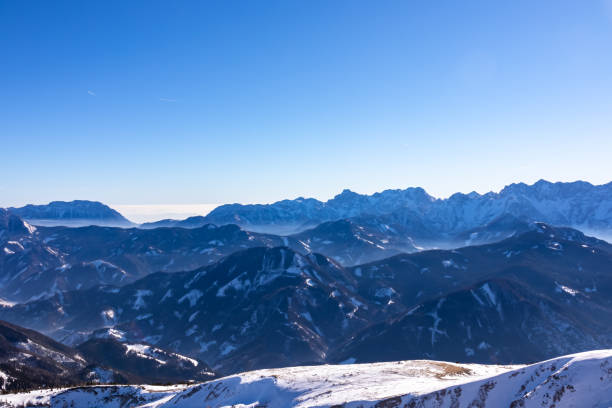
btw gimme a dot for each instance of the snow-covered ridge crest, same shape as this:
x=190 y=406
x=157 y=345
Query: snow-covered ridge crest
x=578 y=380
x=578 y=204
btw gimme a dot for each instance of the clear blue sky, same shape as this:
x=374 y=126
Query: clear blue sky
x=184 y=102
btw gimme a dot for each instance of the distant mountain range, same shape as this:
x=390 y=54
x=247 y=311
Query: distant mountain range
x=532 y=296
x=578 y=204
x=497 y=278
x=37 y=262
x=425 y=218
x=76 y=213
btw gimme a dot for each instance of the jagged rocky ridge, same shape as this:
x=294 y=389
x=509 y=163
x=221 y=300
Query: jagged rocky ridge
x=431 y=220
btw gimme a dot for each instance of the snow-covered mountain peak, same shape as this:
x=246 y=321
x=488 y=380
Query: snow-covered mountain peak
x=572 y=204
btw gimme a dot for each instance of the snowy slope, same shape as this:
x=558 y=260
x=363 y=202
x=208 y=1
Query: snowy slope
x=579 y=380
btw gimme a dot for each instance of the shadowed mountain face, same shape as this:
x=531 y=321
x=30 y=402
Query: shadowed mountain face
x=37 y=262
x=29 y=360
x=13 y=227
x=351 y=243
x=264 y=307
x=191 y=222
x=499 y=320
x=543 y=293
x=259 y=307
x=138 y=363
x=76 y=213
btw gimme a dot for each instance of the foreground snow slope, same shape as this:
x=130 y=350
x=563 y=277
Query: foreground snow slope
x=578 y=380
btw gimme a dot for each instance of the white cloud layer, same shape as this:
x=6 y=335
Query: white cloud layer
x=153 y=212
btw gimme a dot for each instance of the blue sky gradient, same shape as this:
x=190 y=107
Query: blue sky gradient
x=238 y=101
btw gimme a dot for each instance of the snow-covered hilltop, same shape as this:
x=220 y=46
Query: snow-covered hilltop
x=578 y=380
